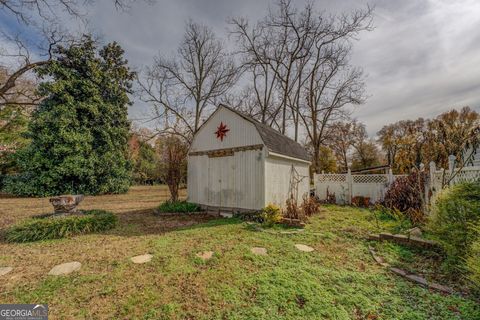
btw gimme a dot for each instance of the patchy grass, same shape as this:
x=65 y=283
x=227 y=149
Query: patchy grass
x=339 y=280
x=178 y=206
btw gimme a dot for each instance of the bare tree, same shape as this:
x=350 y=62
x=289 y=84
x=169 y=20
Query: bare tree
x=40 y=17
x=183 y=89
x=298 y=61
x=256 y=46
x=275 y=53
x=173 y=154
x=333 y=83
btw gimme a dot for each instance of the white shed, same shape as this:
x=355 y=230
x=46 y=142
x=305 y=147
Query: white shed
x=235 y=163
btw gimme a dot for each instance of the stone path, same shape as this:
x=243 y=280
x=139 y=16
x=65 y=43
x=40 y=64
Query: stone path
x=304 y=248
x=5 y=270
x=144 y=258
x=205 y=255
x=259 y=251
x=65 y=268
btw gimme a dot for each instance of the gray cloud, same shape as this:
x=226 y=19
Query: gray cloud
x=422 y=58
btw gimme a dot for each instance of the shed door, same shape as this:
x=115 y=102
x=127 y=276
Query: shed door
x=221 y=177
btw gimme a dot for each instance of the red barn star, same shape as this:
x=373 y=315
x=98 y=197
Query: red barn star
x=221 y=131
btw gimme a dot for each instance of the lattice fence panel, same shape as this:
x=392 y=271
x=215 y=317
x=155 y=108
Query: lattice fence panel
x=331 y=178
x=370 y=178
x=441 y=177
x=346 y=186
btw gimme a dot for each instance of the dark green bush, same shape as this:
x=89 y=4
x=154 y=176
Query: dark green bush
x=455 y=219
x=178 y=206
x=44 y=228
x=79 y=132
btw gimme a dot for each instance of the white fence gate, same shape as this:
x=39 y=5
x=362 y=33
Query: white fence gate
x=347 y=186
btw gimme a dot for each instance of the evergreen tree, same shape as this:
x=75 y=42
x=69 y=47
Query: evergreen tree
x=80 y=131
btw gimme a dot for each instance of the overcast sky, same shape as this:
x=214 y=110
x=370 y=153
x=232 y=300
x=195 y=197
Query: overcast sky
x=422 y=58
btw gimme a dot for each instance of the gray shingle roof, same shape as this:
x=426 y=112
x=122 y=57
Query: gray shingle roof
x=274 y=140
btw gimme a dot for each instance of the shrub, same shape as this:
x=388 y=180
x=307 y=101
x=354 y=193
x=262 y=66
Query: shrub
x=178 y=206
x=253 y=216
x=473 y=263
x=293 y=210
x=79 y=131
x=61 y=227
x=455 y=219
x=405 y=195
x=310 y=206
x=271 y=214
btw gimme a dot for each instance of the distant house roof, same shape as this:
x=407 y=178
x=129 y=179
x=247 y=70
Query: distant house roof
x=274 y=140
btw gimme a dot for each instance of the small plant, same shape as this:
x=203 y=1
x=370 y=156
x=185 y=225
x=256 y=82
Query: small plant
x=361 y=202
x=271 y=215
x=54 y=228
x=310 y=206
x=178 y=206
x=293 y=211
x=331 y=198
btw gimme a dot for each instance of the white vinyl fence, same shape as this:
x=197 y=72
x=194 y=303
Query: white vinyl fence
x=374 y=186
x=347 y=186
x=451 y=176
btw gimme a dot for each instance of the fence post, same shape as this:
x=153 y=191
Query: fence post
x=350 y=186
x=390 y=176
x=433 y=168
x=451 y=163
x=451 y=167
x=431 y=177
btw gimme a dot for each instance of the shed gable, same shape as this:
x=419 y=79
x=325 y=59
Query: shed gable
x=240 y=132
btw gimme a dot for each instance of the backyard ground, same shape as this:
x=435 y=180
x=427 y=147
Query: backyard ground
x=338 y=280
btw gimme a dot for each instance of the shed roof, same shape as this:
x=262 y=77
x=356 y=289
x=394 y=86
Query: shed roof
x=274 y=140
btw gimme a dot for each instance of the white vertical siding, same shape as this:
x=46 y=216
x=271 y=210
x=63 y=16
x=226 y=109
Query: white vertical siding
x=230 y=181
x=278 y=172
x=242 y=132
x=233 y=181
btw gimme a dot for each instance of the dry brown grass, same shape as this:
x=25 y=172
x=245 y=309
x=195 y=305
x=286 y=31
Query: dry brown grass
x=139 y=198
x=96 y=252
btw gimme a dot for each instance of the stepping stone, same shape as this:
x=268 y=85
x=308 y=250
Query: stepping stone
x=292 y=232
x=144 y=258
x=205 y=255
x=259 y=251
x=417 y=279
x=5 y=270
x=65 y=268
x=304 y=248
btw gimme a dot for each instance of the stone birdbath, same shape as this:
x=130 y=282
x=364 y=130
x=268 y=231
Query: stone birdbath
x=65 y=205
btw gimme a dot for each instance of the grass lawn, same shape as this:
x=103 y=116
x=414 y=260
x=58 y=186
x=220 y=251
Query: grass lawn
x=339 y=280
